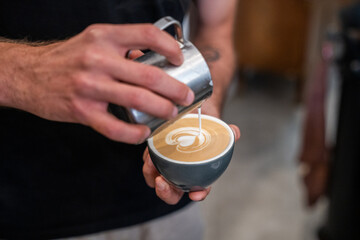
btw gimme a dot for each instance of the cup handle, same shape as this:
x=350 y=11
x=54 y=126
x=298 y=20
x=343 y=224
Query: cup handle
x=167 y=21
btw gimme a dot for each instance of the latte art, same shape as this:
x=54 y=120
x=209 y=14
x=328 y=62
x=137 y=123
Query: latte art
x=189 y=157
x=188 y=139
x=181 y=141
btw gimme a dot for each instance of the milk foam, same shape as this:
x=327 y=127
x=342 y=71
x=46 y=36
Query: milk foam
x=188 y=139
x=181 y=141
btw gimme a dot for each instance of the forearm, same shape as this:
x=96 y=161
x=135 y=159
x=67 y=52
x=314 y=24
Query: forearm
x=221 y=61
x=214 y=38
x=11 y=57
x=18 y=61
x=76 y=79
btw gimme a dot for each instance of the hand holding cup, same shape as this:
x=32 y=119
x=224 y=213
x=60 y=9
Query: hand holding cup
x=189 y=170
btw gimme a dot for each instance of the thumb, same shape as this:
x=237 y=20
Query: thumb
x=236 y=131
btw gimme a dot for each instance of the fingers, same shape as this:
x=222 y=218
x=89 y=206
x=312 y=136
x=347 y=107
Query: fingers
x=172 y=195
x=119 y=131
x=135 y=36
x=163 y=189
x=133 y=54
x=107 y=90
x=236 y=131
x=105 y=41
x=147 y=36
x=146 y=154
x=134 y=85
x=148 y=77
x=199 y=195
x=149 y=170
x=108 y=125
x=145 y=88
x=155 y=79
x=166 y=192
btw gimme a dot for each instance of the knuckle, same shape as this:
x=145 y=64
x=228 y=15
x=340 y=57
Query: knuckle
x=77 y=110
x=136 y=98
x=81 y=83
x=95 y=32
x=105 y=130
x=137 y=135
x=110 y=132
x=146 y=170
x=174 y=49
x=151 y=76
x=118 y=135
x=168 y=197
x=150 y=32
x=167 y=109
x=181 y=93
x=90 y=58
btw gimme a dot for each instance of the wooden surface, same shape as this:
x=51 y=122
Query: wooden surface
x=271 y=35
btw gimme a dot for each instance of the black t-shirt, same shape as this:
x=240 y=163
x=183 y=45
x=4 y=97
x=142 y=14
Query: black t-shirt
x=63 y=179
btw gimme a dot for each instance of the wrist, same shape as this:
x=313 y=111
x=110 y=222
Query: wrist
x=15 y=62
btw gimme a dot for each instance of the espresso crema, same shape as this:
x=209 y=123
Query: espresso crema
x=182 y=141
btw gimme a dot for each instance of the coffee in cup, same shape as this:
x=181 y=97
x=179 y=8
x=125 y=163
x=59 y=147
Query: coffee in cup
x=189 y=158
x=184 y=141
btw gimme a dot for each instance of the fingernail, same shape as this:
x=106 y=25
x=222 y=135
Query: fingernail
x=160 y=186
x=149 y=162
x=146 y=136
x=235 y=133
x=189 y=98
x=174 y=113
x=178 y=60
x=147 y=133
x=199 y=199
x=181 y=59
x=127 y=55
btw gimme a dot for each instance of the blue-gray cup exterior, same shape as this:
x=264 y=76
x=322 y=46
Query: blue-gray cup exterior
x=192 y=176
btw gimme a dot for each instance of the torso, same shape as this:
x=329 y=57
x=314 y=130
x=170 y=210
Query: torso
x=61 y=179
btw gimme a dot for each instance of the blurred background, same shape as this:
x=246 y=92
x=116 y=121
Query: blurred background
x=284 y=48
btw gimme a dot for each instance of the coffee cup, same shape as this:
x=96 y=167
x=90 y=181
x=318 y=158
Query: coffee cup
x=191 y=159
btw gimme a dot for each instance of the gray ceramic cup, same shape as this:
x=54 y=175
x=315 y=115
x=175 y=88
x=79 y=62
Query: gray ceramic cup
x=193 y=176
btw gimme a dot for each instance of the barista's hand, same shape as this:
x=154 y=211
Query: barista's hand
x=74 y=80
x=164 y=190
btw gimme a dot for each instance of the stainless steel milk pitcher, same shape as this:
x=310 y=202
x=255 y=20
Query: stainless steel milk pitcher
x=194 y=72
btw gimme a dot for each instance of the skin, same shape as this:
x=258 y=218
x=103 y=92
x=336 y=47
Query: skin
x=214 y=38
x=74 y=80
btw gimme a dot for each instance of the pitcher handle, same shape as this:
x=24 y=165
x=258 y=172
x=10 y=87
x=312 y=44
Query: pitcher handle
x=167 y=21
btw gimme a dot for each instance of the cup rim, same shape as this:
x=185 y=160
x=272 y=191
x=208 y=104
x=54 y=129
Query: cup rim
x=193 y=115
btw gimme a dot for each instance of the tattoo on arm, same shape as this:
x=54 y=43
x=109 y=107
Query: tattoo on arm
x=210 y=54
